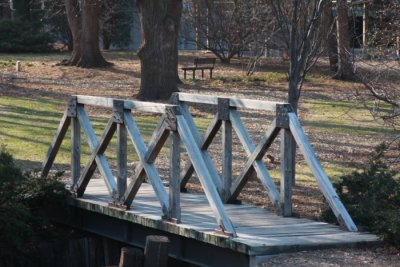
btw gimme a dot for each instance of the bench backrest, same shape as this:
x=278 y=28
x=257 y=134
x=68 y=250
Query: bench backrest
x=204 y=62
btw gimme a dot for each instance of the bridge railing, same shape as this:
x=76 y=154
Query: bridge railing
x=176 y=124
x=286 y=124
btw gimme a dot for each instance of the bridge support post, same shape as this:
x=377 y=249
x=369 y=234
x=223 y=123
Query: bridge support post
x=174 y=208
x=122 y=144
x=223 y=115
x=287 y=158
x=75 y=142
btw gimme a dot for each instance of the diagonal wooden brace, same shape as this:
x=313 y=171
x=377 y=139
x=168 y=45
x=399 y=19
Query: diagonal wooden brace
x=149 y=168
x=157 y=141
x=97 y=159
x=258 y=165
x=100 y=159
x=256 y=159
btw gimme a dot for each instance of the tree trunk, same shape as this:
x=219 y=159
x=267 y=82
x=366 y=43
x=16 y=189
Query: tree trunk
x=158 y=52
x=345 y=66
x=331 y=42
x=84 y=24
x=74 y=21
x=91 y=56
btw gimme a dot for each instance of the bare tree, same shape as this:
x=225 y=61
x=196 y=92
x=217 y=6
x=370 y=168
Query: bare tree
x=379 y=70
x=83 y=19
x=300 y=23
x=226 y=28
x=159 y=49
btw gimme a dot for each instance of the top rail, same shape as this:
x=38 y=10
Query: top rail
x=233 y=102
x=128 y=104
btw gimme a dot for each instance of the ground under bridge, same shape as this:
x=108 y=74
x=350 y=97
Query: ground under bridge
x=205 y=229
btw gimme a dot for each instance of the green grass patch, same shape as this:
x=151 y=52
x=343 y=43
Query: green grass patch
x=341 y=117
x=265 y=77
x=5 y=63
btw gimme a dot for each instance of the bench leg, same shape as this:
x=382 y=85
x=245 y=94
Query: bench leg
x=194 y=74
x=202 y=73
x=184 y=74
x=210 y=73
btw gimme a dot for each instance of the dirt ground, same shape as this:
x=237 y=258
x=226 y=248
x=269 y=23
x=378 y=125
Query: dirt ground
x=45 y=78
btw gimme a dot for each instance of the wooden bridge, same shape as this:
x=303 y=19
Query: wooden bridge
x=205 y=229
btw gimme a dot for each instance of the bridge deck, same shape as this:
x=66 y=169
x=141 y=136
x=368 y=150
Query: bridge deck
x=260 y=233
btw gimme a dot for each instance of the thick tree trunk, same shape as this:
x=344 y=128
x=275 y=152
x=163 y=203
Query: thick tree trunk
x=345 y=66
x=91 y=56
x=329 y=27
x=74 y=21
x=159 y=49
x=84 y=25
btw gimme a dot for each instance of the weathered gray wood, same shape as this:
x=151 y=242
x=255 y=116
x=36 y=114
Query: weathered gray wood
x=209 y=135
x=98 y=159
x=202 y=171
x=101 y=160
x=210 y=132
x=174 y=178
x=122 y=158
x=287 y=172
x=233 y=102
x=75 y=151
x=226 y=159
x=156 y=251
x=322 y=179
x=258 y=165
x=255 y=226
x=133 y=187
x=160 y=135
x=55 y=144
x=131 y=257
x=128 y=104
x=206 y=157
x=150 y=169
x=157 y=141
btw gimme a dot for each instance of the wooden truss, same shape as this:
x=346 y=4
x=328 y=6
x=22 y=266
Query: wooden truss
x=177 y=125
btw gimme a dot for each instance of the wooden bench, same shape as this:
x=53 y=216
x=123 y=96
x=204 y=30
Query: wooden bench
x=202 y=64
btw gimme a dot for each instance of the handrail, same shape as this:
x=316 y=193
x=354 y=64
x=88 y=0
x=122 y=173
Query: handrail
x=128 y=104
x=233 y=102
x=177 y=125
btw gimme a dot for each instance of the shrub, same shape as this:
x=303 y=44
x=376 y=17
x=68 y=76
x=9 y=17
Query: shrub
x=23 y=36
x=23 y=220
x=372 y=198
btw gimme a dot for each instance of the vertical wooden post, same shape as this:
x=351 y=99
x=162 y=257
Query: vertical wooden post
x=121 y=159
x=156 y=251
x=131 y=257
x=75 y=141
x=75 y=151
x=287 y=159
x=174 y=210
x=223 y=115
x=227 y=158
x=118 y=108
x=18 y=66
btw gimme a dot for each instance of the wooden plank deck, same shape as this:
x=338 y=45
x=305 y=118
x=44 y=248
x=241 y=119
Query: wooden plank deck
x=260 y=233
